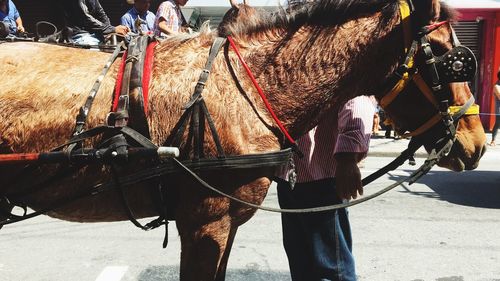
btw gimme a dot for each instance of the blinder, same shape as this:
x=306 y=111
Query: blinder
x=457 y=65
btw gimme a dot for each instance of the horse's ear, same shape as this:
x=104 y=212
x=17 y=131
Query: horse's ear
x=234 y=4
x=435 y=10
x=428 y=10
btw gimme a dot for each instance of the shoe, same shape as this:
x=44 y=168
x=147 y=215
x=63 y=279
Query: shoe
x=492 y=143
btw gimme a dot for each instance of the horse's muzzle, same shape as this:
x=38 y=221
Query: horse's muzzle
x=460 y=158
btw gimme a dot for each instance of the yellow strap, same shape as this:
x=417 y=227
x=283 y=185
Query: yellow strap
x=473 y=110
x=429 y=124
x=387 y=99
x=424 y=88
x=404 y=9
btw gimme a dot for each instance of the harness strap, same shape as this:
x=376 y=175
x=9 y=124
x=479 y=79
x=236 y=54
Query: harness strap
x=402 y=73
x=456 y=110
x=424 y=88
x=405 y=11
x=81 y=118
x=469 y=108
x=130 y=84
x=196 y=110
x=426 y=126
x=213 y=131
x=430 y=61
x=200 y=86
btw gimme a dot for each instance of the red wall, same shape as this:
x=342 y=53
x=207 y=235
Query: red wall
x=496 y=65
x=490 y=60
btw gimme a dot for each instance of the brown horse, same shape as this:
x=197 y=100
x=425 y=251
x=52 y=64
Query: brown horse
x=308 y=60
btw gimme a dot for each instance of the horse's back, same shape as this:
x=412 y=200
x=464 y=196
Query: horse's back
x=42 y=88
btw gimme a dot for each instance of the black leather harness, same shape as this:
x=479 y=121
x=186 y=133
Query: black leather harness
x=119 y=139
x=195 y=116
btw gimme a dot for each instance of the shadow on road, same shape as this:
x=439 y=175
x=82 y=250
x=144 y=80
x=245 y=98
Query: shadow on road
x=171 y=273
x=472 y=188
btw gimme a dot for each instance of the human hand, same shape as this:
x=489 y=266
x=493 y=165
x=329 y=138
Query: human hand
x=122 y=30
x=347 y=175
x=20 y=29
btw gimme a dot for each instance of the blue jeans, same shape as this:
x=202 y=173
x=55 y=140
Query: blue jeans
x=87 y=39
x=318 y=245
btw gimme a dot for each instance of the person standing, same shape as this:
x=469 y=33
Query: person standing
x=496 y=93
x=139 y=19
x=319 y=245
x=86 y=22
x=10 y=15
x=169 y=18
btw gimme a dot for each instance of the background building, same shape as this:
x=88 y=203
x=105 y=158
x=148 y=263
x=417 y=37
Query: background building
x=478 y=27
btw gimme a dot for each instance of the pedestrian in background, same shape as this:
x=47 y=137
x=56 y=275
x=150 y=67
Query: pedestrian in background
x=496 y=93
x=86 y=22
x=139 y=19
x=319 y=245
x=11 y=17
x=169 y=18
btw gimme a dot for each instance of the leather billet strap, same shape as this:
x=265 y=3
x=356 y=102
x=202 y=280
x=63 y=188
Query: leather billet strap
x=205 y=73
x=82 y=116
x=131 y=82
x=197 y=113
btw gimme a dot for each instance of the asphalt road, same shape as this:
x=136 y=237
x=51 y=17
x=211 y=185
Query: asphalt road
x=444 y=228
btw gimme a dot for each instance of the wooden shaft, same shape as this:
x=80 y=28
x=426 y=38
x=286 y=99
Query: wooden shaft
x=19 y=158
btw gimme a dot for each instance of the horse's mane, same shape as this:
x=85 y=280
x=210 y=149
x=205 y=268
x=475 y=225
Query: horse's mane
x=317 y=13
x=314 y=13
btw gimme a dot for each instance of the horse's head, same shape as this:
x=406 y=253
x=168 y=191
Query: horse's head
x=437 y=80
x=238 y=13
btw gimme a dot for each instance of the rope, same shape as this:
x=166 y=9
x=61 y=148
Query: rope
x=306 y=210
x=489 y=114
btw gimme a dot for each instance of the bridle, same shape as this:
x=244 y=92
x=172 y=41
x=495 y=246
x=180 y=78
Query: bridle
x=457 y=65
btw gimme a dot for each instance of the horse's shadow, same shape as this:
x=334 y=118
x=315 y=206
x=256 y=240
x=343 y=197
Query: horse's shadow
x=171 y=273
x=471 y=188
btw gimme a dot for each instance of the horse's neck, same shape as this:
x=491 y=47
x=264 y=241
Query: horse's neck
x=308 y=73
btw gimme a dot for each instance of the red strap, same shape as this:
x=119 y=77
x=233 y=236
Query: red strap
x=148 y=68
x=261 y=93
x=146 y=78
x=118 y=85
x=431 y=27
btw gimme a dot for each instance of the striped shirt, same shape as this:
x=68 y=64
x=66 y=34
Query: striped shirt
x=172 y=15
x=347 y=131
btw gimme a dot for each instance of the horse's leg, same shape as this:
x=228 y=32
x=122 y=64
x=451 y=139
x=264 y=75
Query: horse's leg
x=207 y=225
x=221 y=271
x=202 y=249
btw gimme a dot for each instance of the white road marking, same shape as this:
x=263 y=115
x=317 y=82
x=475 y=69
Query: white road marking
x=112 y=273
